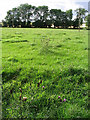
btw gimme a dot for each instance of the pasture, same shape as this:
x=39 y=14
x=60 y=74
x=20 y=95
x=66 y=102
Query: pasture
x=58 y=59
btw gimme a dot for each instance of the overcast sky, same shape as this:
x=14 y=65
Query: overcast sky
x=6 y=5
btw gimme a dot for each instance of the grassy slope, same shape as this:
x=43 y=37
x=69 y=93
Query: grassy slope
x=61 y=63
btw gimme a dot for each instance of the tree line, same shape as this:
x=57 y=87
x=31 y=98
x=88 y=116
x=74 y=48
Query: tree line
x=28 y=16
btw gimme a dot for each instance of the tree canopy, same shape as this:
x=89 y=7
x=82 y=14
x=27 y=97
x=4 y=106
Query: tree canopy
x=27 y=15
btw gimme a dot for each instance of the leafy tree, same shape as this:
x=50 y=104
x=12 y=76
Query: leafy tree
x=26 y=14
x=64 y=20
x=58 y=18
x=38 y=24
x=87 y=19
x=40 y=16
x=8 y=18
x=69 y=17
x=22 y=15
x=49 y=23
x=54 y=16
x=43 y=13
x=4 y=23
x=80 y=14
x=75 y=23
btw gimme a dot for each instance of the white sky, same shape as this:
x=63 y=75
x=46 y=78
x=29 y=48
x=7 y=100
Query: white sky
x=6 y=5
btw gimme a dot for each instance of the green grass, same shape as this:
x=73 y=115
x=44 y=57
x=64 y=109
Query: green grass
x=59 y=58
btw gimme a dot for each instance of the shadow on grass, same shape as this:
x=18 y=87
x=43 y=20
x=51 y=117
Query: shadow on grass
x=32 y=44
x=76 y=74
x=15 y=41
x=11 y=75
x=38 y=104
x=51 y=52
x=80 y=42
x=68 y=38
x=59 y=45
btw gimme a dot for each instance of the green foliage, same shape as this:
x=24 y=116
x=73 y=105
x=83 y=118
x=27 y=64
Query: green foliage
x=59 y=59
x=80 y=15
x=88 y=21
x=27 y=16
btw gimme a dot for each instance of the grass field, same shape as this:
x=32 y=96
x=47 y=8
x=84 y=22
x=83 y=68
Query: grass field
x=59 y=58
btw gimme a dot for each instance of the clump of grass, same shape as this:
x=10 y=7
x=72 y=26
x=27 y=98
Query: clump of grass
x=80 y=41
x=68 y=38
x=77 y=37
x=59 y=45
x=44 y=44
x=86 y=48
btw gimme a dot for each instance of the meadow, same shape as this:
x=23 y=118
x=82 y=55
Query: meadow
x=47 y=66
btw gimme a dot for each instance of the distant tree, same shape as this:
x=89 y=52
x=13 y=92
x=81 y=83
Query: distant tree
x=4 y=23
x=12 y=19
x=9 y=18
x=0 y=24
x=60 y=18
x=26 y=14
x=69 y=17
x=75 y=23
x=87 y=19
x=48 y=23
x=41 y=15
x=64 y=20
x=80 y=14
x=22 y=15
x=55 y=17
x=38 y=24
